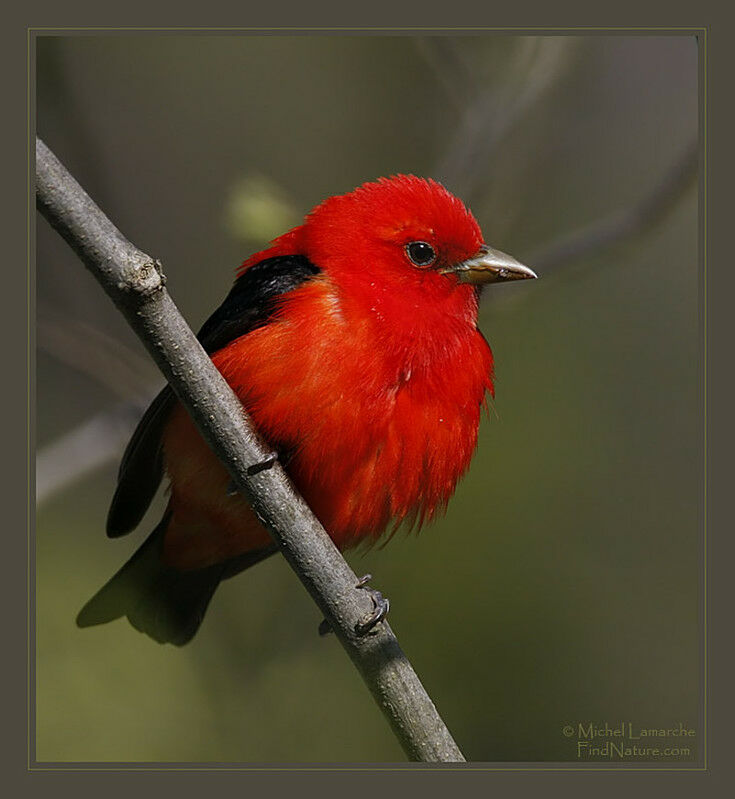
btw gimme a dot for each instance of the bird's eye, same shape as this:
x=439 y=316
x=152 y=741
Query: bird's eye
x=420 y=252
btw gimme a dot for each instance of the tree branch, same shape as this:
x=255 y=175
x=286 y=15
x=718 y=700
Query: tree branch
x=493 y=112
x=135 y=283
x=625 y=224
x=98 y=355
x=83 y=449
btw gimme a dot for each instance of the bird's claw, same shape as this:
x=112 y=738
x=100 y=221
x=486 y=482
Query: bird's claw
x=381 y=607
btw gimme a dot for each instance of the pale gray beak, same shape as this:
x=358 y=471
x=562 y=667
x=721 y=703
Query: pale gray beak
x=490 y=266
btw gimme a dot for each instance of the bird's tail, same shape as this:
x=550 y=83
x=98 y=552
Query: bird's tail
x=166 y=604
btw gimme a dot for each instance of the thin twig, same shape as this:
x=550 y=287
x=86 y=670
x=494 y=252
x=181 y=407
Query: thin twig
x=96 y=441
x=442 y=54
x=535 y=66
x=85 y=448
x=625 y=224
x=95 y=353
x=134 y=282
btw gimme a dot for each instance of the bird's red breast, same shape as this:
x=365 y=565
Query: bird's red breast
x=374 y=436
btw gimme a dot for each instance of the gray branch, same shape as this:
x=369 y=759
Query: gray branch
x=627 y=223
x=84 y=449
x=135 y=283
x=494 y=112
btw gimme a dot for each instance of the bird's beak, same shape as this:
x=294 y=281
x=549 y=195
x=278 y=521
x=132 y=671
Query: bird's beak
x=490 y=266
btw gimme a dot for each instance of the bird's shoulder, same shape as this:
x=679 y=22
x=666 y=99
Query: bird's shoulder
x=253 y=298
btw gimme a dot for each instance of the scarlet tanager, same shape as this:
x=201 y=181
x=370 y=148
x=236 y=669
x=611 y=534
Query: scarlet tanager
x=352 y=342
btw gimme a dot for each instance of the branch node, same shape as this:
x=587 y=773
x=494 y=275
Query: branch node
x=143 y=277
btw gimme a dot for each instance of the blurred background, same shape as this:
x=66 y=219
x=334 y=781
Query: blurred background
x=563 y=584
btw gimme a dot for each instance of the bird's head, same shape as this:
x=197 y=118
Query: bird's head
x=399 y=242
x=407 y=228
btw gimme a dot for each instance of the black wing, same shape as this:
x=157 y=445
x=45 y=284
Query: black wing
x=249 y=305
x=252 y=300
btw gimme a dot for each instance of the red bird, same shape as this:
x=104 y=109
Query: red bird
x=352 y=342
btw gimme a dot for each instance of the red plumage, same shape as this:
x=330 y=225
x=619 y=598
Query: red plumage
x=371 y=374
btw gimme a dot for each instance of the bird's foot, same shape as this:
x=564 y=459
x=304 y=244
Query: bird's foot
x=381 y=606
